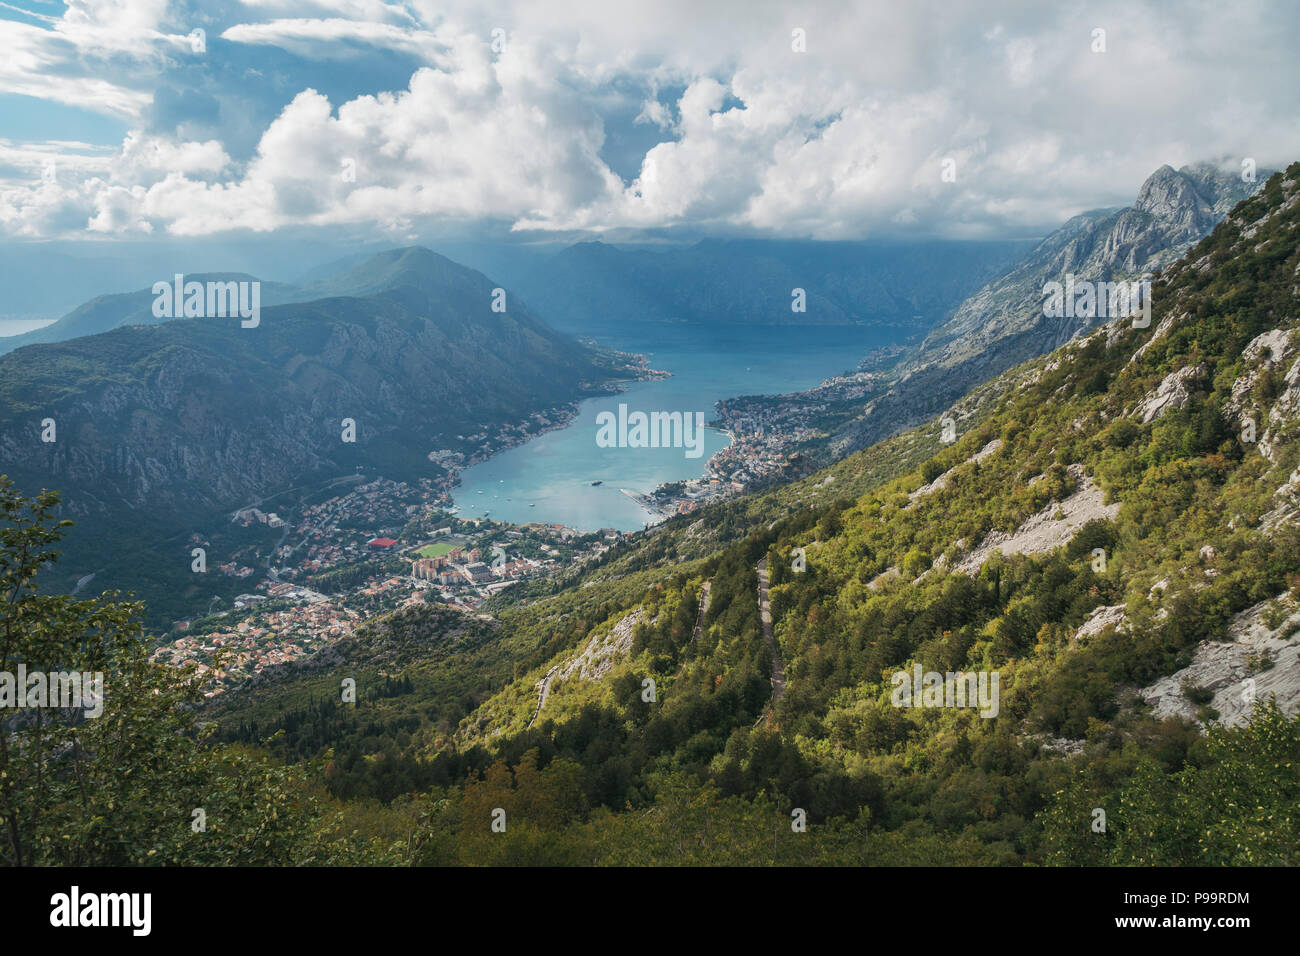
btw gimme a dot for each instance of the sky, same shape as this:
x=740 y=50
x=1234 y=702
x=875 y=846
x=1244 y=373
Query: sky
x=388 y=121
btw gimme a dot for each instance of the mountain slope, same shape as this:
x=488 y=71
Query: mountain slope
x=203 y=413
x=1099 y=525
x=1174 y=209
x=1004 y=323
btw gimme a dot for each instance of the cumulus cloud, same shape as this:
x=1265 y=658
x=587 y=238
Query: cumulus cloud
x=479 y=140
x=507 y=109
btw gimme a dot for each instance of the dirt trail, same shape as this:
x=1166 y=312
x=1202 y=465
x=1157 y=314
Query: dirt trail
x=765 y=615
x=544 y=691
x=704 y=609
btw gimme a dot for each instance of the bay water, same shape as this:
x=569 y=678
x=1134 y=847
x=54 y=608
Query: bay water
x=550 y=478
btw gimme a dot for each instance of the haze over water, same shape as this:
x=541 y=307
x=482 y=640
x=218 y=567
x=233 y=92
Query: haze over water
x=553 y=472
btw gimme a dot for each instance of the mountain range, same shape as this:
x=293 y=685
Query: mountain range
x=1005 y=322
x=752 y=281
x=165 y=418
x=588 y=285
x=195 y=414
x=1105 y=538
x=1113 y=531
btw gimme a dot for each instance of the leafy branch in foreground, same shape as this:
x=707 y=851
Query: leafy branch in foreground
x=103 y=760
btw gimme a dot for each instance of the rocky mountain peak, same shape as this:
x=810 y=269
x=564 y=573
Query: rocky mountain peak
x=1169 y=195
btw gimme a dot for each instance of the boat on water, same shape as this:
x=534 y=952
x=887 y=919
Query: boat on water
x=596 y=482
x=532 y=504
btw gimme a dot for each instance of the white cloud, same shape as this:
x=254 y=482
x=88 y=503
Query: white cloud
x=369 y=10
x=844 y=140
x=321 y=37
x=43 y=64
x=144 y=158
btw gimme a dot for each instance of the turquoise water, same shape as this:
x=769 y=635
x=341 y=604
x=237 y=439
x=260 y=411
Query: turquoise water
x=549 y=478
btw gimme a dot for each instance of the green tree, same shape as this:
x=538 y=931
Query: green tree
x=128 y=776
x=1234 y=806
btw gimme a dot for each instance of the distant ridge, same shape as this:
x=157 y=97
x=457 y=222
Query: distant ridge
x=750 y=281
x=106 y=312
x=1003 y=324
x=200 y=413
x=412 y=268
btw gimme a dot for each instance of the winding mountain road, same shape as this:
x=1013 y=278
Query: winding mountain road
x=765 y=615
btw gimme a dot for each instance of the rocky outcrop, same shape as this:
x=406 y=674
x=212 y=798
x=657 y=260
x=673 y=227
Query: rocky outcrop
x=941 y=482
x=1283 y=415
x=1259 y=659
x=1110 y=615
x=1286 y=511
x=1050 y=528
x=1265 y=352
x=594 y=661
x=1116 y=328
x=884 y=577
x=1173 y=392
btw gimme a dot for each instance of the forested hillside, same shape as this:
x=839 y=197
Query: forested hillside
x=1105 y=516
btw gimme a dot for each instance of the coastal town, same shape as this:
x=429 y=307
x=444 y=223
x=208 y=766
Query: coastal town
x=366 y=549
x=770 y=436
x=319 y=563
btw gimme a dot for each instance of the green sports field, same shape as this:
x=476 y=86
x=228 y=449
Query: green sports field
x=439 y=548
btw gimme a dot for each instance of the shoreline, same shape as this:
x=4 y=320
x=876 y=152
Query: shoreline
x=748 y=458
x=565 y=416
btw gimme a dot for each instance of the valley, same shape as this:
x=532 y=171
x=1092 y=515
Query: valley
x=323 y=539
x=769 y=439
x=1005 y=552
x=1077 y=532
